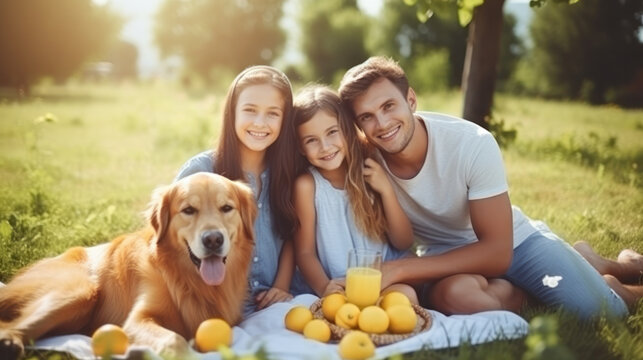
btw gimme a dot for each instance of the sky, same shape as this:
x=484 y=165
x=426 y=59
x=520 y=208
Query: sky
x=139 y=23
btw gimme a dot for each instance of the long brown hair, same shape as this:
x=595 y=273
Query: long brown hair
x=227 y=155
x=365 y=203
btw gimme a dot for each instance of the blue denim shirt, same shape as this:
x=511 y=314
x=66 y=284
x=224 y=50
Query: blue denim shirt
x=265 y=258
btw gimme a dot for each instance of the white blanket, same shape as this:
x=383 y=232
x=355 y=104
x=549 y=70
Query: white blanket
x=266 y=329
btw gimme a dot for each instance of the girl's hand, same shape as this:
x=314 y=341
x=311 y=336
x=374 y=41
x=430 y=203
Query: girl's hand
x=334 y=286
x=375 y=176
x=273 y=295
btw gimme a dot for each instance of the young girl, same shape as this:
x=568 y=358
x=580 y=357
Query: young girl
x=258 y=102
x=336 y=209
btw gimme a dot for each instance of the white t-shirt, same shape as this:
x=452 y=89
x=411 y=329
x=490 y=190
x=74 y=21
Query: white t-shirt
x=463 y=163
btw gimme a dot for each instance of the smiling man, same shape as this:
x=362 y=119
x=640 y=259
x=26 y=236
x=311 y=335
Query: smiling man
x=476 y=251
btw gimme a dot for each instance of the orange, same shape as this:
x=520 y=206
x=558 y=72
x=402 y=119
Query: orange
x=297 y=318
x=356 y=345
x=330 y=305
x=402 y=319
x=212 y=334
x=394 y=298
x=347 y=316
x=318 y=330
x=109 y=340
x=373 y=320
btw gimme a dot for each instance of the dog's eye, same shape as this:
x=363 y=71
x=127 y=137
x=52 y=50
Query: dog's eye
x=189 y=210
x=226 y=208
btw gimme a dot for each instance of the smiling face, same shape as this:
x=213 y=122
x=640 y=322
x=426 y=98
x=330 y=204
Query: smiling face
x=207 y=217
x=258 y=116
x=321 y=141
x=386 y=116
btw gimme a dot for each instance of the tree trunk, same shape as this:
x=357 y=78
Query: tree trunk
x=481 y=61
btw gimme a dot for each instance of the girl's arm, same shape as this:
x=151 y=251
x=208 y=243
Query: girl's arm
x=305 y=249
x=281 y=286
x=399 y=228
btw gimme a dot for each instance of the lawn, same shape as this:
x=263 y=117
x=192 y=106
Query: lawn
x=78 y=164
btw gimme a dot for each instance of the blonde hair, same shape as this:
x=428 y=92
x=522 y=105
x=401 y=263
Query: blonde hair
x=366 y=204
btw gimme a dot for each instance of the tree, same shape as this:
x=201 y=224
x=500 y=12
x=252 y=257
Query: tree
x=41 y=38
x=124 y=55
x=398 y=34
x=220 y=33
x=333 y=33
x=589 y=51
x=480 y=65
x=483 y=46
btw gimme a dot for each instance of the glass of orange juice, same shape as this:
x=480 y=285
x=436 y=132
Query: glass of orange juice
x=363 y=277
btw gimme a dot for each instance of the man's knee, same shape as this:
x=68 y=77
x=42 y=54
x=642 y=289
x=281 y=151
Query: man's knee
x=460 y=294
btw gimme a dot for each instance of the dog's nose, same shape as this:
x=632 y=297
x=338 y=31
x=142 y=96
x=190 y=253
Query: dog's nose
x=212 y=240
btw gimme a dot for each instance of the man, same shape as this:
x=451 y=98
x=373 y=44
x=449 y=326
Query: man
x=477 y=252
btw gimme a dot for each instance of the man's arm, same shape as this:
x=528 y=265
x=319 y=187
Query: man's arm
x=490 y=256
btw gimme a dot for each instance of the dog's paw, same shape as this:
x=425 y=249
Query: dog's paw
x=10 y=349
x=174 y=347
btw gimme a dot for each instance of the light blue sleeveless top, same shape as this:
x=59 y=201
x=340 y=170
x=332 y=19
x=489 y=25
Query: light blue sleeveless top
x=336 y=232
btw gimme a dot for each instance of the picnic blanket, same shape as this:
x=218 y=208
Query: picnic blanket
x=265 y=329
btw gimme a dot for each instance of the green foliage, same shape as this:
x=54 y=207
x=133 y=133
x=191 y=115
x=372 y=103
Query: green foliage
x=504 y=134
x=430 y=72
x=41 y=38
x=512 y=49
x=399 y=34
x=539 y=3
x=333 y=34
x=589 y=51
x=625 y=339
x=229 y=34
x=543 y=342
x=595 y=151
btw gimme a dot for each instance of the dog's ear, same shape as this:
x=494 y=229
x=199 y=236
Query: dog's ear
x=158 y=211
x=247 y=207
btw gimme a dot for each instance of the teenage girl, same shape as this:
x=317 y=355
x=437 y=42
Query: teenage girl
x=258 y=103
x=344 y=200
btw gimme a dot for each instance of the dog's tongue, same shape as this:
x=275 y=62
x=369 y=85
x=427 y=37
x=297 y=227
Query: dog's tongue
x=212 y=270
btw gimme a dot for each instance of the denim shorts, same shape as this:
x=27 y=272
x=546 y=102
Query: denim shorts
x=555 y=274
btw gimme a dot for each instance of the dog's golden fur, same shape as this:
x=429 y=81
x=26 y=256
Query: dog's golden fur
x=150 y=281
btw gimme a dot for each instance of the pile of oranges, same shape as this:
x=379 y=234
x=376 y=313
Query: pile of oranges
x=393 y=314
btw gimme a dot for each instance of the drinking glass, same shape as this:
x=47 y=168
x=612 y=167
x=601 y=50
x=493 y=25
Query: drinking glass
x=363 y=277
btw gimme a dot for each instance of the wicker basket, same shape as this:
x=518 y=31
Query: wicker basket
x=423 y=323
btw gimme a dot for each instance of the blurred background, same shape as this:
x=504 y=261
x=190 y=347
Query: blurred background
x=590 y=50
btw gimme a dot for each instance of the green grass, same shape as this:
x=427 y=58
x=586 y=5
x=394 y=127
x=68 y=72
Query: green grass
x=78 y=165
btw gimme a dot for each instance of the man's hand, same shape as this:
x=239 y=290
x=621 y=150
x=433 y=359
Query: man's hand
x=268 y=297
x=388 y=274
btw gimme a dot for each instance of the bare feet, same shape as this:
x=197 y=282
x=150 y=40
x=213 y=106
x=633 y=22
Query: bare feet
x=634 y=261
x=631 y=294
x=599 y=263
x=628 y=269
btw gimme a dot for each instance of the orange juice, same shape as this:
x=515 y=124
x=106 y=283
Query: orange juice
x=363 y=286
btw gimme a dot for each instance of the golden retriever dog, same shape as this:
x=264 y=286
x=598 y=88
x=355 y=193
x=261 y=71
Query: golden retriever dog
x=159 y=284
